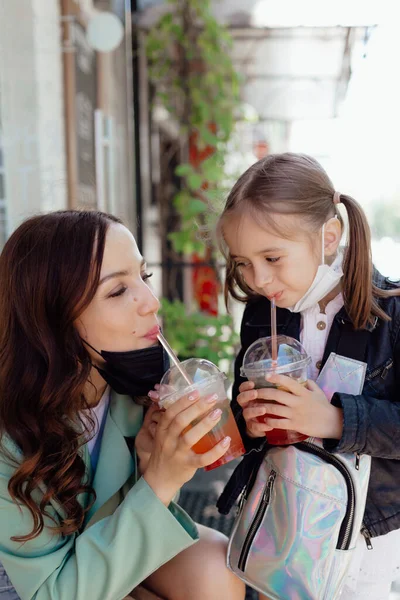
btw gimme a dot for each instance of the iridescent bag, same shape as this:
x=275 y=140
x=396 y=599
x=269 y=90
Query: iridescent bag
x=301 y=513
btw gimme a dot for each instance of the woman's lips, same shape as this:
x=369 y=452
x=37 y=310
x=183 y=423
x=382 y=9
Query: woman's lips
x=153 y=333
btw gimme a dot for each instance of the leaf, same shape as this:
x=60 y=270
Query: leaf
x=183 y=170
x=195 y=181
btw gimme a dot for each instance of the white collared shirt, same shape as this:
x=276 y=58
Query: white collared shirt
x=315 y=328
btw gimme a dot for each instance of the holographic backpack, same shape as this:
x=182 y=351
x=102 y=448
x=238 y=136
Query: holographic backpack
x=302 y=510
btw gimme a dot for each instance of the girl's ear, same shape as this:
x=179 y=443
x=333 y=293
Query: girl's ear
x=332 y=236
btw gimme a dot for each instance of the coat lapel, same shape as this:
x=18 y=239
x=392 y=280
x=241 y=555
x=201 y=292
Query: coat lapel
x=115 y=464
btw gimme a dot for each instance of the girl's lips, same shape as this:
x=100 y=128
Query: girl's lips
x=153 y=333
x=275 y=296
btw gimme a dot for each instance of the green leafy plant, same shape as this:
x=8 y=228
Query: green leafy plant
x=194 y=79
x=199 y=335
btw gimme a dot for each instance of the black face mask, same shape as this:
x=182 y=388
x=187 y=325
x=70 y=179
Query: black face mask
x=135 y=372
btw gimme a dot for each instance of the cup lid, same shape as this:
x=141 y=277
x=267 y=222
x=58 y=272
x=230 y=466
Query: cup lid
x=291 y=355
x=199 y=371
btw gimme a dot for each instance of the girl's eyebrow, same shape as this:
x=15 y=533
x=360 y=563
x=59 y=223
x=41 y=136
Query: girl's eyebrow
x=265 y=251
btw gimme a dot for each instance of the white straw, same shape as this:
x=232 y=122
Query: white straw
x=273 y=334
x=174 y=358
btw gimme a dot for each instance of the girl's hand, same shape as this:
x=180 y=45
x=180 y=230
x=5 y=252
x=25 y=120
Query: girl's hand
x=251 y=410
x=145 y=438
x=305 y=409
x=173 y=462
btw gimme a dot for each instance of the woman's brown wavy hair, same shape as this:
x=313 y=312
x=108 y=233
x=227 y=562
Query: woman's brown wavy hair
x=296 y=184
x=49 y=273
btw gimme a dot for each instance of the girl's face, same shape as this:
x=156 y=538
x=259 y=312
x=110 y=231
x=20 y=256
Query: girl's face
x=274 y=266
x=123 y=313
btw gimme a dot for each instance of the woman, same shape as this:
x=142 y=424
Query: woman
x=87 y=480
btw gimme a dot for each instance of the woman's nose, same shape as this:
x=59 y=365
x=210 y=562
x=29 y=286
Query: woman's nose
x=149 y=303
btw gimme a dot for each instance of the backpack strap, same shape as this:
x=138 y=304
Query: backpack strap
x=243 y=476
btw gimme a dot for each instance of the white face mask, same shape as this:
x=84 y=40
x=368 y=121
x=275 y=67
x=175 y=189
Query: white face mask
x=325 y=280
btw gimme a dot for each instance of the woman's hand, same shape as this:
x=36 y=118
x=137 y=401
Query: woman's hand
x=301 y=408
x=173 y=462
x=145 y=438
x=247 y=399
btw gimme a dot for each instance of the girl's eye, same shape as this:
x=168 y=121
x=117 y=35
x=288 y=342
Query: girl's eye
x=242 y=265
x=119 y=293
x=146 y=276
x=272 y=260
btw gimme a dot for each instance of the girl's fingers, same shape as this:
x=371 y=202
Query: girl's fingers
x=258 y=429
x=275 y=395
x=290 y=384
x=278 y=423
x=154 y=395
x=245 y=397
x=255 y=410
x=246 y=385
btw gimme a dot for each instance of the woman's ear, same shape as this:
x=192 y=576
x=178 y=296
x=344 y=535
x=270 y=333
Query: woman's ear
x=332 y=236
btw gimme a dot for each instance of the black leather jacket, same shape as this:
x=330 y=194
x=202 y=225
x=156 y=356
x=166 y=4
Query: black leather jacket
x=372 y=419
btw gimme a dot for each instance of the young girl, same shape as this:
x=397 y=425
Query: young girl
x=87 y=480
x=280 y=225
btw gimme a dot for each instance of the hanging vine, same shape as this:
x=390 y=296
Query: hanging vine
x=192 y=72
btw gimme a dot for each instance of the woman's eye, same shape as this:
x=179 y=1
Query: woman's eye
x=118 y=293
x=272 y=260
x=146 y=276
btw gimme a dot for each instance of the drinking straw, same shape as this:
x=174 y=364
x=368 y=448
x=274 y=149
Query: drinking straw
x=174 y=358
x=274 y=343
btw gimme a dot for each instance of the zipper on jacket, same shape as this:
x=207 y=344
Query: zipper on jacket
x=367 y=536
x=346 y=528
x=258 y=517
x=382 y=371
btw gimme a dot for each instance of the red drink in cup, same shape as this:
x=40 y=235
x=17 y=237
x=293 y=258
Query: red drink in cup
x=208 y=380
x=291 y=360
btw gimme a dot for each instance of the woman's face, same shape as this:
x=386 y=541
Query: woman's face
x=123 y=313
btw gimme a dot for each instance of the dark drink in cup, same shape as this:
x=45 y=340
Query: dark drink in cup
x=292 y=361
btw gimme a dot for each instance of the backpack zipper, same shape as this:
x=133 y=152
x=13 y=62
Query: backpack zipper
x=367 y=536
x=258 y=517
x=346 y=528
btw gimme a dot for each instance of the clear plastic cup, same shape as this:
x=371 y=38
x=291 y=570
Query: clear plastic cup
x=292 y=360
x=208 y=380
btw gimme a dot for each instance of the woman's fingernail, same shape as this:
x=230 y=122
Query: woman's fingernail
x=193 y=397
x=215 y=413
x=226 y=441
x=152 y=394
x=212 y=398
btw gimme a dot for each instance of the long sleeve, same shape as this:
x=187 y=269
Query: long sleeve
x=106 y=561
x=371 y=425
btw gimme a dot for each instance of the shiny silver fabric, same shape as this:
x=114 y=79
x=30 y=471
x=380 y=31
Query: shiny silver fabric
x=284 y=541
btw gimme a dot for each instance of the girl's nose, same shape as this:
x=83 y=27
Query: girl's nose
x=262 y=276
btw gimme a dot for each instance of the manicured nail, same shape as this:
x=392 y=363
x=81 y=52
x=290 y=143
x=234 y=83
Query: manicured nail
x=212 y=399
x=226 y=441
x=193 y=396
x=215 y=413
x=152 y=394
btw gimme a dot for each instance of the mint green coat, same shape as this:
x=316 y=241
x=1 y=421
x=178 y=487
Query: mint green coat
x=128 y=533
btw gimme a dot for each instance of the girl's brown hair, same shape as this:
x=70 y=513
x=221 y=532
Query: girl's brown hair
x=49 y=273
x=296 y=184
